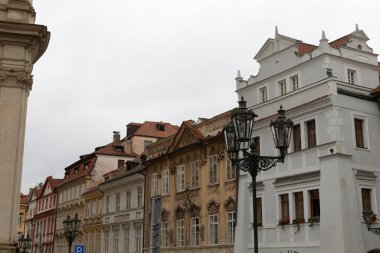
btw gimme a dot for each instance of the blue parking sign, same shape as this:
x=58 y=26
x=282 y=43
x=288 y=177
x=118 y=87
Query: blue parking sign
x=79 y=249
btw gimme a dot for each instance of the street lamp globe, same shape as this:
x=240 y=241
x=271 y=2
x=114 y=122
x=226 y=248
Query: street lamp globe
x=231 y=142
x=281 y=131
x=243 y=124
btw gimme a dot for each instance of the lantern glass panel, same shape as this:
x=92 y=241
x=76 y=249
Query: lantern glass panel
x=243 y=123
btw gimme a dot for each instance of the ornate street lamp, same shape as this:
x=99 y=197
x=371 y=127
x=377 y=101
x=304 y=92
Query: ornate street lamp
x=24 y=243
x=369 y=217
x=237 y=136
x=71 y=227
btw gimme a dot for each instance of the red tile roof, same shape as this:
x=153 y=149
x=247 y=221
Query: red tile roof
x=113 y=148
x=304 y=48
x=151 y=129
x=87 y=161
x=24 y=199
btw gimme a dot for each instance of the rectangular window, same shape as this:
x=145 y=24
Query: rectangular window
x=256 y=140
x=284 y=198
x=366 y=199
x=298 y=207
x=154 y=185
x=138 y=242
x=214 y=224
x=359 y=134
x=259 y=205
x=180 y=233
x=231 y=219
x=294 y=82
x=147 y=143
x=164 y=234
x=120 y=163
x=117 y=204
x=195 y=174
x=263 y=94
x=351 y=76
x=165 y=182
x=296 y=138
x=93 y=208
x=311 y=134
x=231 y=170
x=314 y=204
x=180 y=178
x=116 y=241
x=139 y=197
x=126 y=240
x=88 y=209
x=195 y=232
x=213 y=169
x=106 y=238
x=128 y=200
x=108 y=202
x=282 y=87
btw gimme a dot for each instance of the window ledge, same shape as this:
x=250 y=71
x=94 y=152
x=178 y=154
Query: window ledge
x=213 y=185
x=363 y=149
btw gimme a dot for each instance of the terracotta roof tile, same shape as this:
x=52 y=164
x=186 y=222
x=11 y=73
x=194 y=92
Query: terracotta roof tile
x=24 y=199
x=304 y=48
x=151 y=129
x=114 y=148
x=84 y=167
x=339 y=42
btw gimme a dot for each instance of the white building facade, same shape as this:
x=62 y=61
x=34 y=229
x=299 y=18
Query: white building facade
x=123 y=206
x=314 y=201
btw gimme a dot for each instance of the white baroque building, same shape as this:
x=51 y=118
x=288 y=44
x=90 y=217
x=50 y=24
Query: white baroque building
x=314 y=201
x=123 y=206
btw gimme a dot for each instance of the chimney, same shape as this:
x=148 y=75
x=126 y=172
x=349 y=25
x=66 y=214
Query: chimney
x=116 y=136
x=128 y=146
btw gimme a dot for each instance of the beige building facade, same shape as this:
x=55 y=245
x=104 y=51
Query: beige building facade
x=193 y=176
x=22 y=43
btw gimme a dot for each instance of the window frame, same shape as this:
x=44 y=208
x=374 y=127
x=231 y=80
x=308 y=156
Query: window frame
x=297 y=145
x=180 y=233
x=154 y=185
x=195 y=231
x=311 y=143
x=282 y=87
x=213 y=170
x=128 y=199
x=292 y=78
x=214 y=229
x=165 y=182
x=231 y=231
x=260 y=96
x=180 y=182
x=195 y=174
x=365 y=131
x=230 y=171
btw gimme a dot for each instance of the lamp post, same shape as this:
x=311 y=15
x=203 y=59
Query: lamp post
x=369 y=217
x=24 y=243
x=238 y=139
x=71 y=227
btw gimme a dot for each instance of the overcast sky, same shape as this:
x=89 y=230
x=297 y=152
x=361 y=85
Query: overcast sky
x=118 y=61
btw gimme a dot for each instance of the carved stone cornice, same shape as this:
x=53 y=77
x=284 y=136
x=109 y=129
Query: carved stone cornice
x=16 y=79
x=213 y=207
x=165 y=215
x=230 y=204
x=179 y=213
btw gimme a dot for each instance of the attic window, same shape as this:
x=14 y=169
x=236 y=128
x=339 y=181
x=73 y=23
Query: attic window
x=86 y=166
x=119 y=148
x=76 y=171
x=360 y=47
x=66 y=174
x=160 y=127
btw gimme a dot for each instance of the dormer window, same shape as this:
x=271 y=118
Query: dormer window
x=351 y=76
x=282 y=87
x=86 y=166
x=360 y=47
x=294 y=82
x=263 y=94
x=160 y=127
x=76 y=171
x=66 y=174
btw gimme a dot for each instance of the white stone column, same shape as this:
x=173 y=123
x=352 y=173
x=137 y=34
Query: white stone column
x=21 y=45
x=340 y=227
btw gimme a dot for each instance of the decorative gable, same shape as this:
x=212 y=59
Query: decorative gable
x=186 y=135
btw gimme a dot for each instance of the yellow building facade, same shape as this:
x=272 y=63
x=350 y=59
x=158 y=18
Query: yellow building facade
x=92 y=222
x=193 y=176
